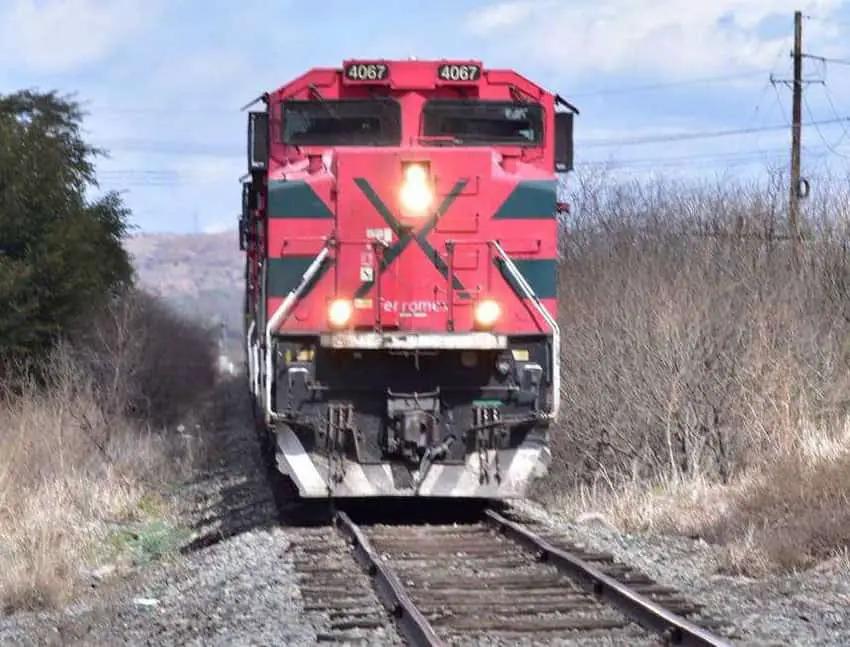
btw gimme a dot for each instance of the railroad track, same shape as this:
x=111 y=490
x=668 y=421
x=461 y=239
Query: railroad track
x=338 y=595
x=496 y=582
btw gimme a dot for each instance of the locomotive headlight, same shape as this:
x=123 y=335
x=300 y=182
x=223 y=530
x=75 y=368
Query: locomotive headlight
x=416 y=194
x=340 y=312
x=487 y=312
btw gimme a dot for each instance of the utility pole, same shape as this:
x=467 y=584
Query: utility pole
x=796 y=128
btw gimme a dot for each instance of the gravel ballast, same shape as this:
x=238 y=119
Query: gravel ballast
x=811 y=608
x=238 y=581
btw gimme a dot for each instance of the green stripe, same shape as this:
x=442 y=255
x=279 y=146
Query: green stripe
x=284 y=274
x=295 y=199
x=530 y=199
x=540 y=273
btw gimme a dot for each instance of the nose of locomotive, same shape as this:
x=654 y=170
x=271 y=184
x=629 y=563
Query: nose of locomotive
x=395 y=211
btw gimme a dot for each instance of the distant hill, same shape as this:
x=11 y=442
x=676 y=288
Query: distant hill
x=200 y=274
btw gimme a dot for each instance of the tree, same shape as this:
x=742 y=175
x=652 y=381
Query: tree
x=61 y=254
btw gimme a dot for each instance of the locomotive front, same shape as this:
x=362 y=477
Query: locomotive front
x=400 y=228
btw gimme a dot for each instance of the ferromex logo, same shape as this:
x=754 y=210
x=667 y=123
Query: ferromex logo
x=416 y=308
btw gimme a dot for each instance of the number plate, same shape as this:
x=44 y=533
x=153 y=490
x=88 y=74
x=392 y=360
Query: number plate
x=361 y=72
x=459 y=72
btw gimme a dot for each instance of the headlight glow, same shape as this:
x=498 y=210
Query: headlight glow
x=487 y=312
x=416 y=194
x=415 y=173
x=340 y=312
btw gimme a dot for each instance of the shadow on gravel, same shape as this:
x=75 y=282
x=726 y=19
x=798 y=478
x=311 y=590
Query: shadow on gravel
x=397 y=511
x=232 y=494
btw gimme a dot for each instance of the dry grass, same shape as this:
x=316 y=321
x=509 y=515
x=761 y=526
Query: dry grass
x=706 y=377
x=791 y=514
x=81 y=459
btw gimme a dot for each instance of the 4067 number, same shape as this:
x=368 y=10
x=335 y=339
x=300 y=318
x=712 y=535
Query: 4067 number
x=366 y=72
x=458 y=72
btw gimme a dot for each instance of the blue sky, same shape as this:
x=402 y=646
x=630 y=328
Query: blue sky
x=163 y=80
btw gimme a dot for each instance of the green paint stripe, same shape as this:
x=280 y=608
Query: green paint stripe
x=530 y=199
x=296 y=200
x=540 y=273
x=285 y=273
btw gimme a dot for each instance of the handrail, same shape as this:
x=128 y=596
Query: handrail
x=279 y=315
x=556 y=331
x=249 y=350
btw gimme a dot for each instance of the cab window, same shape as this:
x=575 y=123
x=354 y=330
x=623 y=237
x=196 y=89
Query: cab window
x=484 y=123
x=341 y=122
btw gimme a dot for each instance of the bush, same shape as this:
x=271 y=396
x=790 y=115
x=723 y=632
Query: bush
x=83 y=448
x=790 y=516
x=696 y=351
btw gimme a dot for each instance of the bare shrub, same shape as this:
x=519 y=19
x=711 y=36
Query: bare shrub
x=696 y=351
x=794 y=513
x=81 y=452
x=148 y=361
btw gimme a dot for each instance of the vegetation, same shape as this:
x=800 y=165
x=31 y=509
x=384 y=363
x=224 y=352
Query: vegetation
x=60 y=254
x=97 y=374
x=705 y=374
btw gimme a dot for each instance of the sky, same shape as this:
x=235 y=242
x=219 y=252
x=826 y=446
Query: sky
x=163 y=80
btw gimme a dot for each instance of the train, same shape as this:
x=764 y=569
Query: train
x=399 y=226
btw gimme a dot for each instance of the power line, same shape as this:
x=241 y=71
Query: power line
x=722 y=156
x=708 y=134
x=769 y=83
x=728 y=157
x=826 y=59
x=845 y=132
x=171 y=147
x=820 y=134
x=669 y=84
x=782 y=107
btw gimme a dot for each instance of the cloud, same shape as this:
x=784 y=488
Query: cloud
x=503 y=14
x=60 y=35
x=665 y=37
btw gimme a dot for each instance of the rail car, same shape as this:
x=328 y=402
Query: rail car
x=400 y=224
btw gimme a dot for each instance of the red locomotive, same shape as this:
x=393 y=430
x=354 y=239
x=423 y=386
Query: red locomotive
x=400 y=224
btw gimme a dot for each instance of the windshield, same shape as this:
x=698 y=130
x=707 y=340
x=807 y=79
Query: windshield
x=341 y=122
x=481 y=123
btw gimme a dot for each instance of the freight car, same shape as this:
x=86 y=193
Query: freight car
x=400 y=226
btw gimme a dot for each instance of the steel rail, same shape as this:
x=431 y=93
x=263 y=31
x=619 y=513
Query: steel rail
x=675 y=629
x=413 y=624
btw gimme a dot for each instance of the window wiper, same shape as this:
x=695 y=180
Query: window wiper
x=496 y=141
x=323 y=103
x=438 y=140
